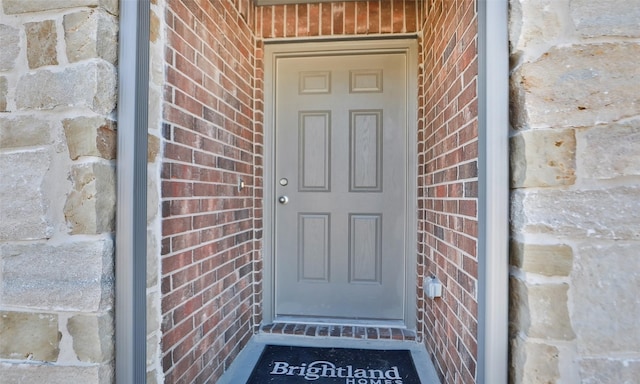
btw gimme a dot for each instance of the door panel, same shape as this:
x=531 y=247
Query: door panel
x=365 y=161
x=313 y=251
x=341 y=162
x=365 y=248
x=314 y=151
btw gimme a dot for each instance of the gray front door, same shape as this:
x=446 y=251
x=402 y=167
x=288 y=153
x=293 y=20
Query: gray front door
x=340 y=180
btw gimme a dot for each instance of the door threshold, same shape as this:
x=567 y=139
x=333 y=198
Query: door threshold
x=364 y=331
x=241 y=368
x=339 y=321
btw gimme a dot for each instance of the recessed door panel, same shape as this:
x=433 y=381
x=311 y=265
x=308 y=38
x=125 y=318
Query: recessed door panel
x=365 y=253
x=365 y=165
x=314 y=151
x=313 y=247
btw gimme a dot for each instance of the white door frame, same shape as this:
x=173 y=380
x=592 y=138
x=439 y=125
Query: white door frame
x=407 y=45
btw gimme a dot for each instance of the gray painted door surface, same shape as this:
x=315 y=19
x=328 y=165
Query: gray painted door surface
x=341 y=161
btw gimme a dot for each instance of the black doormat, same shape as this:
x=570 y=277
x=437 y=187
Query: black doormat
x=293 y=365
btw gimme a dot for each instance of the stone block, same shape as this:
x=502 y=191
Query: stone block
x=546 y=260
x=153 y=341
x=540 y=310
x=24 y=131
x=29 y=336
x=153 y=314
x=533 y=363
x=56 y=374
x=4 y=88
x=153 y=256
x=91 y=136
x=609 y=151
x=519 y=317
x=596 y=213
x=606 y=17
x=153 y=148
x=155 y=100
x=548 y=308
x=577 y=86
x=91 y=204
x=24 y=207
x=41 y=43
x=153 y=199
x=93 y=337
x=609 y=370
x=535 y=25
x=91 y=34
x=89 y=84
x=154 y=27
x=605 y=303
x=9 y=46
x=75 y=276
x=12 y=7
x=543 y=158
x=106 y=373
x=152 y=377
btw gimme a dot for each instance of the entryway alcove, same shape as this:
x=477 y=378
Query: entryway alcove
x=321 y=160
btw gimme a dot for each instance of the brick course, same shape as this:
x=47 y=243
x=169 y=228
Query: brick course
x=356 y=332
x=337 y=19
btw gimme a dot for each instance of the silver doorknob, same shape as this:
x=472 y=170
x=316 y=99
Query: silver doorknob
x=283 y=199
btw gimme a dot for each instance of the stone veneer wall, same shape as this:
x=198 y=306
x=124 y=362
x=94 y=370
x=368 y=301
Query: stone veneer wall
x=575 y=114
x=448 y=186
x=57 y=182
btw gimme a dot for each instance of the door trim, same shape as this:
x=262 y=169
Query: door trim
x=272 y=52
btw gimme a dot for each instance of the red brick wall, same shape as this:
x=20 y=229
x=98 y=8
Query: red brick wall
x=315 y=20
x=211 y=261
x=208 y=225
x=448 y=150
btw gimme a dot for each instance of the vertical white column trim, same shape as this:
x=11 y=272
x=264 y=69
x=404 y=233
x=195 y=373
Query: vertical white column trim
x=131 y=220
x=493 y=191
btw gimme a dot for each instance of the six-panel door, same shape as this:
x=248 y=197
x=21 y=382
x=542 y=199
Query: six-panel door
x=341 y=168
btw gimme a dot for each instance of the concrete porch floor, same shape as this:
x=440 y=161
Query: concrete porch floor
x=243 y=365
